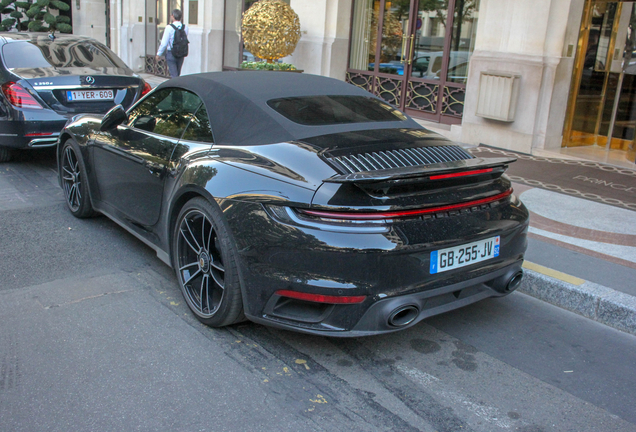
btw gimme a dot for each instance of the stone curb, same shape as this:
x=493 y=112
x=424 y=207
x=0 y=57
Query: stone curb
x=593 y=301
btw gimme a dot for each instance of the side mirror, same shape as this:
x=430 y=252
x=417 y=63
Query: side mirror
x=113 y=118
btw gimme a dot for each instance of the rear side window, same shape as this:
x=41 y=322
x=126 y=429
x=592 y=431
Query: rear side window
x=330 y=110
x=60 y=53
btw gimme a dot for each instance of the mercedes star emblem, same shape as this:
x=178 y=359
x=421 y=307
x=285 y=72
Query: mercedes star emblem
x=90 y=79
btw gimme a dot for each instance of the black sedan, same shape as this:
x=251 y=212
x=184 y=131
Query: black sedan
x=298 y=201
x=45 y=80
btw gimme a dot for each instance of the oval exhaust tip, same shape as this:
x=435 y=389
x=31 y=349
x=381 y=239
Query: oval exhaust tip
x=514 y=281
x=403 y=316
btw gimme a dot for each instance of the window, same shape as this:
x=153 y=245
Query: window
x=425 y=45
x=199 y=127
x=328 y=110
x=166 y=112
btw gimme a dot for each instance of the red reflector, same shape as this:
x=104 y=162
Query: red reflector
x=461 y=174
x=38 y=134
x=145 y=89
x=19 y=97
x=318 y=298
x=405 y=213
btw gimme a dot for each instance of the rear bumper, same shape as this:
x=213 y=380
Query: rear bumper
x=401 y=312
x=48 y=141
x=22 y=134
x=391 y=268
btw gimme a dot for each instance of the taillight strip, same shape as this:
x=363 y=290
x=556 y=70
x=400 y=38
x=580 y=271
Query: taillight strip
x=403 y=213
x=460 y=174
x=319 y=298
x=39 y=134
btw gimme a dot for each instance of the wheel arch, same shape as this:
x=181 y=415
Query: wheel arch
x=65 y=135
x=219 y=186
x=179 y=201
x=222 y=185
x=84 y=209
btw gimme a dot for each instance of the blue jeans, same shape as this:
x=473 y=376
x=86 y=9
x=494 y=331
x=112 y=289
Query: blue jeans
x=174 y=64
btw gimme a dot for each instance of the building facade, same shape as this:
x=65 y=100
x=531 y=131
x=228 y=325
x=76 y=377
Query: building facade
x=537 y=76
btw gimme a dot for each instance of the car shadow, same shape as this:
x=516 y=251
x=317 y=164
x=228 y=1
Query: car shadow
x=43 y=156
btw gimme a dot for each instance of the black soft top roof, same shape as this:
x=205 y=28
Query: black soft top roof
x=239 y=115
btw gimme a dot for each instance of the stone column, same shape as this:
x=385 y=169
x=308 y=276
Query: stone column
x=89 y=19
x=324 y=44
x=210 y=58
x=133 y=34
x=529 y=38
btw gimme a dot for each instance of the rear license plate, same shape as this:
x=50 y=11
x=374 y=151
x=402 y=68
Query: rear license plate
x=88 y=95
x=460 y=256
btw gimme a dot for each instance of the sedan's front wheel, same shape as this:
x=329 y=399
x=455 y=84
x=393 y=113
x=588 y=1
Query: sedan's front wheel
x=205 y=263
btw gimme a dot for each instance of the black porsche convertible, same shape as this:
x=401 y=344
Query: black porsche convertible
x=298 y=201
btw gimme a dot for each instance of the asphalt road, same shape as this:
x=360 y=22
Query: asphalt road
x=94 y=335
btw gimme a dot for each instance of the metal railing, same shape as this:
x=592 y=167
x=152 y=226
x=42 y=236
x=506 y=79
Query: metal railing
x=155 y=66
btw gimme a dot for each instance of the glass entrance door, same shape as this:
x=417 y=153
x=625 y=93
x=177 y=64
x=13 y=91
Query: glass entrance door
x=378 y=47
x=439 y=58
x=602 y=105
x=414 y=54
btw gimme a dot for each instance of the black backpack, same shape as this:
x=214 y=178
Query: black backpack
x=180 y=43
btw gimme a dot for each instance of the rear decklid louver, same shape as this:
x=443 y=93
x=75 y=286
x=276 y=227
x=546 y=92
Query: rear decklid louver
x=398 y=158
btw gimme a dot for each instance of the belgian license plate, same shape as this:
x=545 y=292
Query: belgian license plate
x=88 y=95
x=460 y=256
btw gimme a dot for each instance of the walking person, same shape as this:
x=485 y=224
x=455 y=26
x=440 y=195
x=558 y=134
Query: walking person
x=174 y=44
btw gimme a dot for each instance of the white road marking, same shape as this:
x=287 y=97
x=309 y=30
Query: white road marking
x=490 y=414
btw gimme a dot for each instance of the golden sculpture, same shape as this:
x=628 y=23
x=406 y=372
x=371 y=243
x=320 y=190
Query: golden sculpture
x=271 y=29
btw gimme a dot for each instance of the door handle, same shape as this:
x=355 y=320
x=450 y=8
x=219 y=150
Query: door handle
x=412 y=47
x=404 y=38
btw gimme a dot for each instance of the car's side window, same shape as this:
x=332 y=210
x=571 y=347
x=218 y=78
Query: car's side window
x=199 y=128
x=139 y=114
x=166 y=112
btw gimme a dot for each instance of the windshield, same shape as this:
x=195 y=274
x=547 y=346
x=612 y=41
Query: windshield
x=42 y=53
x=331 y=110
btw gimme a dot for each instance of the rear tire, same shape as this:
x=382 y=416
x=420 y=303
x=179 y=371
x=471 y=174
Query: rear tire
x=74 y=182
x=5 y=154
x=206 y=264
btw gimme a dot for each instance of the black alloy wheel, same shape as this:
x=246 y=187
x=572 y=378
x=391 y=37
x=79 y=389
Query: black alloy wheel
x=205 y=264
x=74 y=183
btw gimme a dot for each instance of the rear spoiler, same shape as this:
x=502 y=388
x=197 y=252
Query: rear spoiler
x=455 y=169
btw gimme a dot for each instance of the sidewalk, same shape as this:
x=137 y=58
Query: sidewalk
x=153 y=80
x=582 y=238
